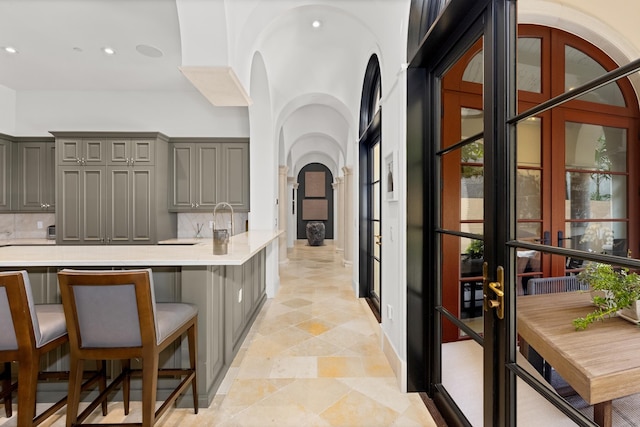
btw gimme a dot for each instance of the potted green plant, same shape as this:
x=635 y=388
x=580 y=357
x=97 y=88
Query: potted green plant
x=473 y=258
x=615 y=290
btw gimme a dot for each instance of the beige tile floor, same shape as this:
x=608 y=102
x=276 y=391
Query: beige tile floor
x=312 y=358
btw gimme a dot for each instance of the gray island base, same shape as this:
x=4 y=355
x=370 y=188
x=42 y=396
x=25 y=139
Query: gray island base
x=228 y=290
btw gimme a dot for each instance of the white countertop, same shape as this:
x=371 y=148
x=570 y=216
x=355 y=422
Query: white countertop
x=26 y=242
x=172 y=252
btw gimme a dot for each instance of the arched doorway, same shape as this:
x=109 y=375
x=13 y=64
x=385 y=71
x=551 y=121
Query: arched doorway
x=371 y=184
x=315 y=199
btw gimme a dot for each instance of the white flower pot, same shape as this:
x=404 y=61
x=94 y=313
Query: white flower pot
x=632 y=313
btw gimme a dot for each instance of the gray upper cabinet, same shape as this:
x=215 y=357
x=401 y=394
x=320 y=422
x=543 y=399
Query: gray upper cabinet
x=5 y=175
x=195 y=170
x=34 y=189
x=235 y=169
x=130 y=151
x=118 y=202
x=205 y=173
x=81 y=151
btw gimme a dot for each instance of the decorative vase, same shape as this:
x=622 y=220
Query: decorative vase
x=315 y=233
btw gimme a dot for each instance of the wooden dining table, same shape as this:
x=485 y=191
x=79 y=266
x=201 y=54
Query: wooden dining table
x=600 y=363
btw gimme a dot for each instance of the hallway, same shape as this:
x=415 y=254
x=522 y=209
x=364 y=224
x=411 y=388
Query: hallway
x=312 y=358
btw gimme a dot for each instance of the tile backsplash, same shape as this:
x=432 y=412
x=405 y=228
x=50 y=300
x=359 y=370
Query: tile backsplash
x=25 y=225
x=188 y=223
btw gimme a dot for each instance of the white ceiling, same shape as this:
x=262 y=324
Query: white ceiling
x=60 y=41
x=213 y=42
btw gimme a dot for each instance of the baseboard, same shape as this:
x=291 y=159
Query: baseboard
x=398 y=365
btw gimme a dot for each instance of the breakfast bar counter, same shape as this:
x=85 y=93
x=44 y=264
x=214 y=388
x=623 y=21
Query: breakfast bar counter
x=228 y=290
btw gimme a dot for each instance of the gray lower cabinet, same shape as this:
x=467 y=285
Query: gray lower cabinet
x=5 y=175
x=35 y=184
x=207 y=172
x=245 y=293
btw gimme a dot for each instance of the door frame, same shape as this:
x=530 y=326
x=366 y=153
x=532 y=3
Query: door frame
x=371 y=135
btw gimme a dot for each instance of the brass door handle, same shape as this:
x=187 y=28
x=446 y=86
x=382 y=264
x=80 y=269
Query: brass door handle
x=498 y=289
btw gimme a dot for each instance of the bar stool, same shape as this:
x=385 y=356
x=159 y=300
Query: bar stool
x=28 y=332
x=112 y=315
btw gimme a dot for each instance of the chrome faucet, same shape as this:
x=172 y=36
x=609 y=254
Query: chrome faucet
x=214 y=215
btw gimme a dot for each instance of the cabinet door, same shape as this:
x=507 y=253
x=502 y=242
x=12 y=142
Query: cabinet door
x=235 y=180
x=130 y=152
x=81 y=151
x=182 y=173
x=35 y=189
x=5 y=175
x=69 y=151
x=142 y=152
x=207 y=176
x=93 y=205
x=80 y=206
x=49 y=186
x=119 y=205
x=93 y=151
x=69 y=211
x=118 y=151
x=33 y=170
x=130 y=200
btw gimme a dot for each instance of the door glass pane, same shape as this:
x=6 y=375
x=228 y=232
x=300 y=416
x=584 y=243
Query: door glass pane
x=376 y=279
x=529 y=142
x=596 y=188
x=595 y=147
x=376 y=232
x=529 y=75
x=376 y=162
x=580 y=69
x=462 y=377
x=473 y=72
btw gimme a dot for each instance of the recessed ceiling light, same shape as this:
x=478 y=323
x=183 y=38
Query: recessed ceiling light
x=316 y=24
x=108 y=51
x=10 y=49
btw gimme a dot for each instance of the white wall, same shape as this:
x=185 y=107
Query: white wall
x=176 y=113
x=7 y=110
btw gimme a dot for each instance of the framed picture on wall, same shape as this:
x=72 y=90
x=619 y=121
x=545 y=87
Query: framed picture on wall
x=389 y=176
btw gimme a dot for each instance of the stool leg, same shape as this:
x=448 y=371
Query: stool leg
x=75 y=384
x=6 y=388
x=126 y=384
x=101 y=366
x=150 y=364
x=27 y=384
x=192 y=334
